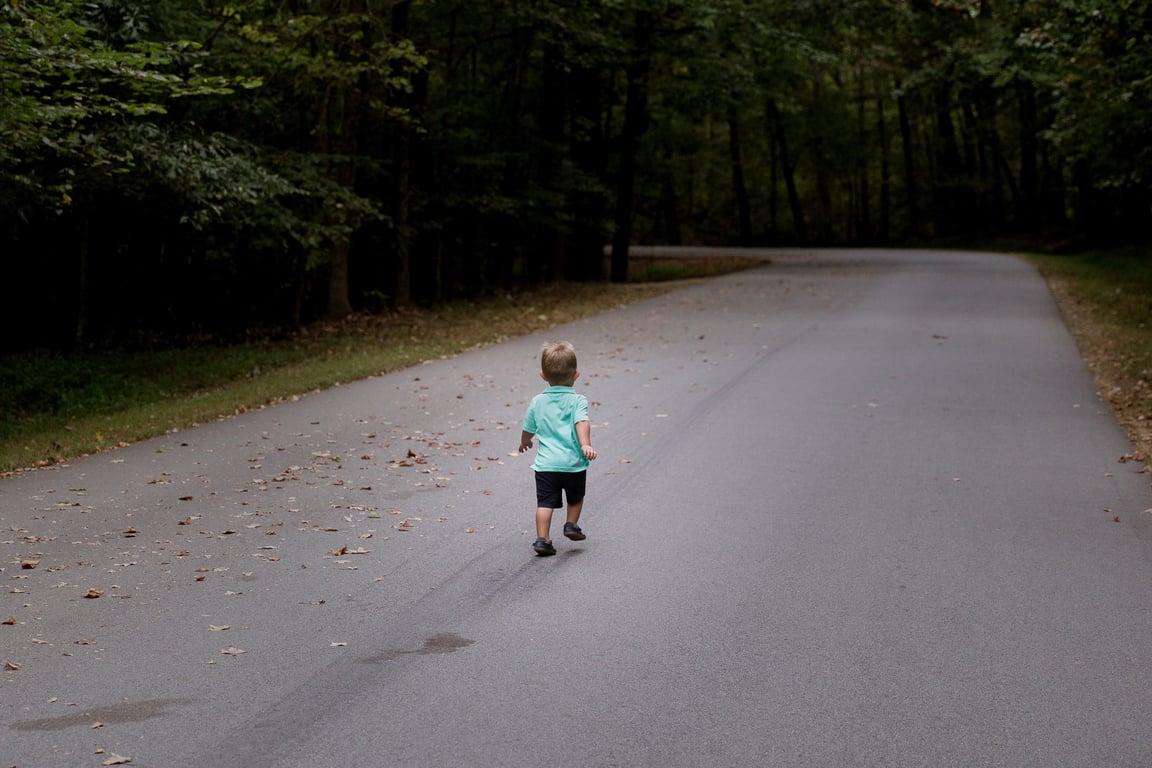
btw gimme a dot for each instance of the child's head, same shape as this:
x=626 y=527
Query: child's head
x=558 y=363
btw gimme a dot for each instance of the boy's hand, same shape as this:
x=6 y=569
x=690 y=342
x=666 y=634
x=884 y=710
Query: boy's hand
x=525 y=445
x=589 y=452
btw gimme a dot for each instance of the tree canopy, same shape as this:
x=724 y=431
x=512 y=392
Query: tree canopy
x=172 y=169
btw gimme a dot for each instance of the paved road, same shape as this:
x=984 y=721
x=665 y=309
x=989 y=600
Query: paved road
x=852 y=508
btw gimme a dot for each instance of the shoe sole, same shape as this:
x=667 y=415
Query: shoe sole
x=544 y=552
x=574 y=535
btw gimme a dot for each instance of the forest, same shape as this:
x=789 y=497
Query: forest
x=180 y=170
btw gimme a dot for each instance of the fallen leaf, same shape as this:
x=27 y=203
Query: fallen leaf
x=218 y=627
x=92 y=594
x=86 y=641
x=232 y=651
x=10 y=667
x=10 y=621
x=29 y=564
x=115 y=759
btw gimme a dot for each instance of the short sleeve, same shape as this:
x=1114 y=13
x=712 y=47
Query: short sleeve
x=581 y=412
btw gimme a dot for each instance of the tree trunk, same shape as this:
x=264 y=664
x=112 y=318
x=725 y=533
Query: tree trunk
x=343 y=172
x=553 y=111
x=635 y=125
x=739 y=188
x=588 y=149
x=82 y=290
x=340 y=117
x=884 y=231
x=864 y=204
x=774 y=186
x=951 y=209
x=911 y=191
x=1029 y=147
x=798 y=226
x=401 y=172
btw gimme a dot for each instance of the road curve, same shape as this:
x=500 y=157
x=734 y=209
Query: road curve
x=852 y=508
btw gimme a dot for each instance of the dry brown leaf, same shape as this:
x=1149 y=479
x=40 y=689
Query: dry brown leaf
x=218 y=627
x=92 y=594
x=10 y=667
x=10 y=621
x=29 y=564
x=233 y=651
x=115 y=759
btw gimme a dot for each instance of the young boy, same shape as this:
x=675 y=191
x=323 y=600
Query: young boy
x=559 y=417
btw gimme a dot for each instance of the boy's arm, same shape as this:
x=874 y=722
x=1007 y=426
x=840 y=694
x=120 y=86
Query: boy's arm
x=584 y=433
x=526 y=441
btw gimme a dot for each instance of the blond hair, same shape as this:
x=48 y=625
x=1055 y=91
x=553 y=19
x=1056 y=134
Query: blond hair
x=558 y=363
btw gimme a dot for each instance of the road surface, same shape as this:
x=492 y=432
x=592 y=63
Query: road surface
x=852 y=508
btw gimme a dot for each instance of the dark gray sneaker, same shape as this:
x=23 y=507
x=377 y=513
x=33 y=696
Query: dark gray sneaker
x=543 y=547
x=572 y=531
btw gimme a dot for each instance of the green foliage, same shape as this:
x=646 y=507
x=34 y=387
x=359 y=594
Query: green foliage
x=438 y=148
x=67 y=90
x=1102 y=53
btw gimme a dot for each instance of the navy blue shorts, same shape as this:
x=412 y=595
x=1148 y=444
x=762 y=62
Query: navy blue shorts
x=550 y=484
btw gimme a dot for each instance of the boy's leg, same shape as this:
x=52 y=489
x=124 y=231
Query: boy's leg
x=543 y=522
x=575 y=486
x=574 y=510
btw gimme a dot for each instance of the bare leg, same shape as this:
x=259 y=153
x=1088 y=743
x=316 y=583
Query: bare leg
x=574 y=511
x=544 y=522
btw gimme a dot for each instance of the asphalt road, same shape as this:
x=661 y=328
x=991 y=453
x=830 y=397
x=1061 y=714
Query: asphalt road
x=852 y=508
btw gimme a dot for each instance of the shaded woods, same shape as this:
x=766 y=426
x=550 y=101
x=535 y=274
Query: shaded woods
x=181 y=169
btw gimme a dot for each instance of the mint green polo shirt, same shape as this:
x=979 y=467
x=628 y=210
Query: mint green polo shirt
x=552 y=416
